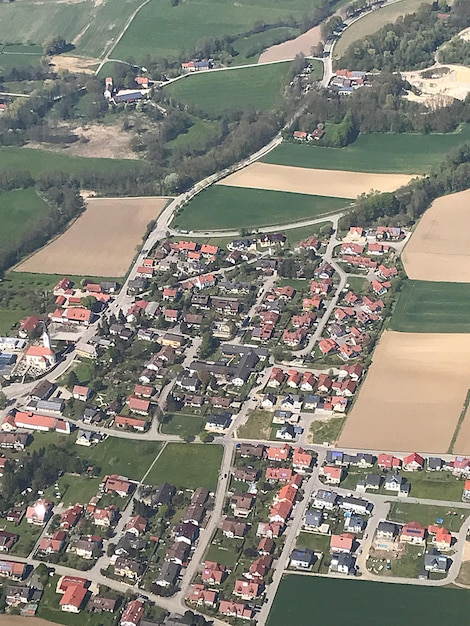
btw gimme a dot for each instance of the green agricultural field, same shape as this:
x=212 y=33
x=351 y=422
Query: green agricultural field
x=188 y=465
x=19 y=211
x=198 y=137
x=39 y=162
x=301 y=598
x=371 y=23
x=221 y=207
x=216 y=92
x=28 y=21
x=12 y=55
x=162 y=30
x=428 y=307
x=405 y=153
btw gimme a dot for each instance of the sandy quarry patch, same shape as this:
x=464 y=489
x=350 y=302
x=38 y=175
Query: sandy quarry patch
x=75 y=64
x=337 y=184
x=447 y=83
x=438 y=249
x=101 y=242
x=98 y=140
x=413 y=395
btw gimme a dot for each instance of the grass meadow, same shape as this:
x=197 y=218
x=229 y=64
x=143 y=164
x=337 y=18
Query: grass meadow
x=405 y=153
x=221 y=207
x=217 y=92
x=245 y=46
x=187 y=465
x=307 y=600
x=432 y=307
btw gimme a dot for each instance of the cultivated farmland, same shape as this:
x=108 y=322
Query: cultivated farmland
x=371 y=23
x=438 y=249
x=413 y=395
x=162 y=30
x=338 y=184
x=19 y=212
x=221 y=207
x=362 y=602
x=219 y=91
x=38 y=162
x=405 y=153
x=101 y=242
x=431 y=307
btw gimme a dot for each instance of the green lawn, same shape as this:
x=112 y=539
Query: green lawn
x=128 y=457
x=302 y=598
x=19 y=211
x=183 y=425
x=403 y=512
x=188 y=465
x=405 y=153
x=162 y=30
x=429 y=307
x=221 y=207
x=409 y=565
x=39 y=162
x=222 y=555
x=28 y=535
x=77 y=489
x=215 y=93
x=295 y=235
x=435 y=486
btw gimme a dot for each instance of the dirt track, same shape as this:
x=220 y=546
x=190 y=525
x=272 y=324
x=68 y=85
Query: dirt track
x=337 y=184
x=413 y=395
x=102 y=242
x=438 y=249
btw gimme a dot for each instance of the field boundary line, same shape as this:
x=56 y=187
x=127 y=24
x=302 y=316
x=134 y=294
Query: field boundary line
x=459 y=423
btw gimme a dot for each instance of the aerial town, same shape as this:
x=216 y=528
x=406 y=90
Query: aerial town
x=234 y=291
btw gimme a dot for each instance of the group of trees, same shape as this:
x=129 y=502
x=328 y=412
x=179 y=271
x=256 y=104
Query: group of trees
x=457 y=50
x=411 y=42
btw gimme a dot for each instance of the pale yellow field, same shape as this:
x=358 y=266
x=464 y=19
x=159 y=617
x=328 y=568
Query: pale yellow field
x=337 y=184
x=438 y=250
x=413 y=395
x=17 y=620
x=101 y=242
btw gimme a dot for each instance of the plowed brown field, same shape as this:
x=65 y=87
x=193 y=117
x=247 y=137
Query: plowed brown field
x=413 y=395
x=101 y=242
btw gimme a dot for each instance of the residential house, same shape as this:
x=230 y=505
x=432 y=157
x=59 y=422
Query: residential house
x=341 y=543
x=128 y=568
x=301 y=460
x=213 y=573
x=325 y=499
x=414 y=533
x=73 y=599
x=413 y=462
x=434 y=561
x=247 y=589
x=133 y=613
x=302 y=559
x=235 y=609
x=233 y=529
x=241 y=504
x=342 y=563
x=331 y=474
x=200 y=596
x=313 y=519
x=54 y=544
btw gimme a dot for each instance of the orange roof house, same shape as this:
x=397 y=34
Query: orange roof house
x=278 y=454
x=341 y=543
x=301 y=459
x=73 y=599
